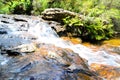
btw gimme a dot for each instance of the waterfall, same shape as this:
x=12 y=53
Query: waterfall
x=46 y=34
x=31 y=49
x=43 y=33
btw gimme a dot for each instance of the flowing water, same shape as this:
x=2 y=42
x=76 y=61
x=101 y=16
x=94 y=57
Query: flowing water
x=15 y=34
x=43 y=33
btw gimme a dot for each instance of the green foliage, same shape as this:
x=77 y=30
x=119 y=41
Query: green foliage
x=72 y=5
x=4 y=8
x=97 y=13
x=100 y=15
x=89 y=28
x=85 y=7
x=16 y=6
x=39 y=6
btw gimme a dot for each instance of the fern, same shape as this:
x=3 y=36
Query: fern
x=92 y=30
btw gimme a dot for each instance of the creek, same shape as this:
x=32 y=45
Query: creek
x=31 y=50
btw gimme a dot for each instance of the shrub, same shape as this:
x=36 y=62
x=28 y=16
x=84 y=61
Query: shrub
x=72 y=5
x=16 y=6
x=39 y=6
x=4 y=7
x=89 y=28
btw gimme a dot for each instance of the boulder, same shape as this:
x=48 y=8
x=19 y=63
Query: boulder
x=14 y=36
x=58 y=27
x=57 y=14
x=48 y=63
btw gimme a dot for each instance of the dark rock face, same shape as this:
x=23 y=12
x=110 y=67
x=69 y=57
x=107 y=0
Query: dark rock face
x=116 y=26
x=44 y=62
x=58 y=27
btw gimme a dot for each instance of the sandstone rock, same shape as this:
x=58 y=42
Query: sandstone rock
x=25 y=48
x=73 y=40
x=48 y=63
x=57 y=14
x=106 y=71
x=112 y=45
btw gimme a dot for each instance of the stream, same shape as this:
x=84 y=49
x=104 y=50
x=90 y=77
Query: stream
x=31 y=50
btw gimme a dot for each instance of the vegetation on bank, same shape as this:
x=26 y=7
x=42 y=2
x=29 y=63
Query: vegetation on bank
x=89 y=28
x=101 y=16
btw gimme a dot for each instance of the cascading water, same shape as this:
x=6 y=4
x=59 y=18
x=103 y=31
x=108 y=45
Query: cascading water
x=15 y=34
x=45 y=34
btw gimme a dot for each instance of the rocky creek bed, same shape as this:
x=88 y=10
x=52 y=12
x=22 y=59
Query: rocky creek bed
x=31 y=50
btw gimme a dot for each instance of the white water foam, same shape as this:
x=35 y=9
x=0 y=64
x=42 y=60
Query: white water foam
x=45 y=34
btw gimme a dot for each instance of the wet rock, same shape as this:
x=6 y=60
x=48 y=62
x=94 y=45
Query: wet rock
x=12 y=43
x=48 y=63
x=79 y=69
x=3 y=29
x=25 y=48
x=116 y=49
x=73 y=40
x=106 y=71
x=64 y=57
x=19 y=19
x=14 y=35
x=112 y=45
x=58 y=27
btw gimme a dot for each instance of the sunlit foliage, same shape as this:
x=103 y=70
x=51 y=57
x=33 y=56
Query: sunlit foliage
x=16 y=6
x=100 y=15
